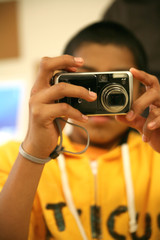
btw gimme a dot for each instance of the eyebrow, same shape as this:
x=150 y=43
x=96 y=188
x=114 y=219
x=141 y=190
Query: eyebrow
x=92 y=69
x=88 y=68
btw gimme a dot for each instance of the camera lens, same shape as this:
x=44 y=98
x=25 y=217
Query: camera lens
x=114 y=98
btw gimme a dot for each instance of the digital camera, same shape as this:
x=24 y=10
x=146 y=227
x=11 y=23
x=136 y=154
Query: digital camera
x=114 y=91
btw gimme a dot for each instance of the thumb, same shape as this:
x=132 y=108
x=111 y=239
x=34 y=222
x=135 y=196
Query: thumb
x=137 y=123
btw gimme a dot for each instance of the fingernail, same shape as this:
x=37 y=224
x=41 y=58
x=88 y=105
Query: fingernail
x=130 y=115
x=85 y=117
x=132 y=68
x=152 y=124
x=145 y=138
x=73 y=69
x=78 y=60
x=92 y=94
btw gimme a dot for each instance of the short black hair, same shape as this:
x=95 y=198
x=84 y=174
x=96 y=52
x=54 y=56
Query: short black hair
x=108 y=32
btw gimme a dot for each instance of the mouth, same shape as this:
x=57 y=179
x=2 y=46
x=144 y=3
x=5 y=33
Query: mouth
x=101 y=119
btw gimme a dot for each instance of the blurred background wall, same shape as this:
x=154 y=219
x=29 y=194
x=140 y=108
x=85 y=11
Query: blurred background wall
x=42 y=28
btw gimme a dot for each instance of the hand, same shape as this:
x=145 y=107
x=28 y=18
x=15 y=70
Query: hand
x=42 y=135
x=149 y=127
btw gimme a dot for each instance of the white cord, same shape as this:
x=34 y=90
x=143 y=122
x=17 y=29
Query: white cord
x=129 y=188
x=68 y=196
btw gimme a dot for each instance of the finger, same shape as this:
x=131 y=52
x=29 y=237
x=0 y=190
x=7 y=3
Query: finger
x=152 y=123
x=146 y=78
x=149 y=98
x=62 y=62
x=61 y=90
x=146 y=135
x=52 y=111
x=49 y=65
x=137 y=123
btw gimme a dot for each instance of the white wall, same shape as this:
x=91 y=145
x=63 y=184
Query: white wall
x=44 y=28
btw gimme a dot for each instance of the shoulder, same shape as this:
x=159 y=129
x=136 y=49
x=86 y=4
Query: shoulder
x=9 y=152
x=140 y=149
x=8 y=155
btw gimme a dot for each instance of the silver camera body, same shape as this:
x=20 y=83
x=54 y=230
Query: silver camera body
x=114 y=91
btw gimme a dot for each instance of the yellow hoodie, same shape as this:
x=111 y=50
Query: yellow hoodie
x=101 y=200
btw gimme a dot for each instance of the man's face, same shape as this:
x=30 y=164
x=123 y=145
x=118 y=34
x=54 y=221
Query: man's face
x=104 y=130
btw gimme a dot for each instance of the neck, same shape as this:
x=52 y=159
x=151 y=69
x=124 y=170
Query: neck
x=76 y=138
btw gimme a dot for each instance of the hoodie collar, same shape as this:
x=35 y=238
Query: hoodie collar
x=133 y=139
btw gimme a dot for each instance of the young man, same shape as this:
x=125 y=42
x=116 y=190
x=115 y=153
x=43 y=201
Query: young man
x=112 y=190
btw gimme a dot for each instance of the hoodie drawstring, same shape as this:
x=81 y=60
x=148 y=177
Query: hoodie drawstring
x=129 y=188
x=68 y=195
